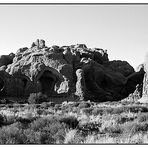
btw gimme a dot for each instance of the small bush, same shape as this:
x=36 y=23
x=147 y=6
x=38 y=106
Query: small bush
x=50 y=104
x=131 y=128
x=40 y=111
x=121 y=119
x=37 y=98
x=142 y=118
x=89 y=128
x=12 y=135
x=25 y=120
x=10 y=119
x=115 y=129
x=51 y=130
x=143 y=127
x=40 y=131
x=71 y=121
x=57 y=107
x=87 y=111
x=46 y=105
x=97 y=111
x=84 y=105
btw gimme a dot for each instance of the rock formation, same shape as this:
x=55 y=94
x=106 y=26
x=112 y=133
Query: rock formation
x=62 y=71
x=144 y=98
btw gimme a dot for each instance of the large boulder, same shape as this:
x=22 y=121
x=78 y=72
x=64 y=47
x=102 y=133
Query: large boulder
x=101 y=84
x=68 y=70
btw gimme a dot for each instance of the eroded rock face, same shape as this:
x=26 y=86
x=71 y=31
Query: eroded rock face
x=66 y=70
x=144 y=66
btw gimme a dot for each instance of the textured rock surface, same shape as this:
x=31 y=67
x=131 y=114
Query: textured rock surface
x=66 y=70
x=120 y=66
x=144 y=98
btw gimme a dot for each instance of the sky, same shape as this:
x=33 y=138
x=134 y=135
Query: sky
x=121 y=29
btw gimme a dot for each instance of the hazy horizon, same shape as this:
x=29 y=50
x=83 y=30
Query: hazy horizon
x=121 y=29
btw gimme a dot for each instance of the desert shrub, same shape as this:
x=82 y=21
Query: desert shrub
x=40 y=111
x=40 y=131
x=131 y=128
x=117 y=110
x=73 y=136
x=10 y=105
x=120 y=119
x=87 y=111
x=37 y=105
x=115 y=129
x=12 y=135
x=25 y=120
x=57 y=107
x=70 y=121
x=65 y=106
x=84 y=105
x=69 y=137
x=97 y=111
x=42 y=136
x=50 y=104
x=50 y=129
x=44 y=105
x=108 y=110
x=142 y=118
x=7 y=119
x=39 y=124
x=33 y=137
x=10 y=119
x=101 y=111
x=53 y=133
x=37 y=98
x=142 y=127
x=75 y=104
x=71 y=104
x=3 y=101
x=89 y=128
x=43 y=122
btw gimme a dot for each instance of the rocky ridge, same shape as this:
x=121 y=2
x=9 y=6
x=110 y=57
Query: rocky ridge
x=85 y=73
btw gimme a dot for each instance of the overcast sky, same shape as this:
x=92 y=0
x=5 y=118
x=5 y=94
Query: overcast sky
x=121 y=29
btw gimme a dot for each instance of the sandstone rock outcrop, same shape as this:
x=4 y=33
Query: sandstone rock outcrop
x=66 y=70
x=144 y=66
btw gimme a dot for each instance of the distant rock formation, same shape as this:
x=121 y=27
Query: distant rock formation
x=62 y=71
x=144 y=66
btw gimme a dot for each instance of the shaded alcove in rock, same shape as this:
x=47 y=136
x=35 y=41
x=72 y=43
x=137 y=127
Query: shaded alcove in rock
x=47 y=81
x=24 y=82
x=20 y=84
